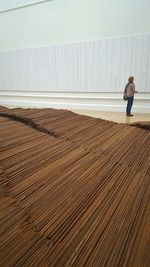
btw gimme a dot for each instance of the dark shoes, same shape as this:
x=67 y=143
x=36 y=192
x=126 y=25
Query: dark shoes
x=130 y=115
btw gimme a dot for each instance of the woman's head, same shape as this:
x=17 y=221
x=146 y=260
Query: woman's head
x=131 y=79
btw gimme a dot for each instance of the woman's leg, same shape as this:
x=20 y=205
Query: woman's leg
x=129 y=104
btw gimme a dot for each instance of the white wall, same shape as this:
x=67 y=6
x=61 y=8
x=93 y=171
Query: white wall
x=65 y=21
x=89 y=66
x=60 y=21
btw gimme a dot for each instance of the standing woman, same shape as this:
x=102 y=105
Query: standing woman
x=129 y=93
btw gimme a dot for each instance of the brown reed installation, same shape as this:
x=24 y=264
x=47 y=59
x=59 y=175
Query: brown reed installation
x=74 y=190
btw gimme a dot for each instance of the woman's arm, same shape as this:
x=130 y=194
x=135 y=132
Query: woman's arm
x=134 y=91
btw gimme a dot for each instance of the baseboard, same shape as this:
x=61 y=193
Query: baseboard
x=84 y=101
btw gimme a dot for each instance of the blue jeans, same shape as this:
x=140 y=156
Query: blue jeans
x=129 y=104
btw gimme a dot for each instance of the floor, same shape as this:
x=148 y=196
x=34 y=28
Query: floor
x=111 y=116
x=114 y=116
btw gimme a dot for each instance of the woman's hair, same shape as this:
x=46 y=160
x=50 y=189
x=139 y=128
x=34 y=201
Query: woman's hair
x=131 y=79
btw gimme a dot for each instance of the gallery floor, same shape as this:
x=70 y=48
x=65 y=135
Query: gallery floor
x=115 y=116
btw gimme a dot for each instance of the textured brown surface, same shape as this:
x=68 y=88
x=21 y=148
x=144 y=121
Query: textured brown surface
x=142 y=124
x=74 y=190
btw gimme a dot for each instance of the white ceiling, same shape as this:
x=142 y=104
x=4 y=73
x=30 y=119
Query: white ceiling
x=6 y=5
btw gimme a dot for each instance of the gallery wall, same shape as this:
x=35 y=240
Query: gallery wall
x=76 y=49
x=90 y=66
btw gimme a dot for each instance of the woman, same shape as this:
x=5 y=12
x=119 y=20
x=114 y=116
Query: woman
x=129 y=93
